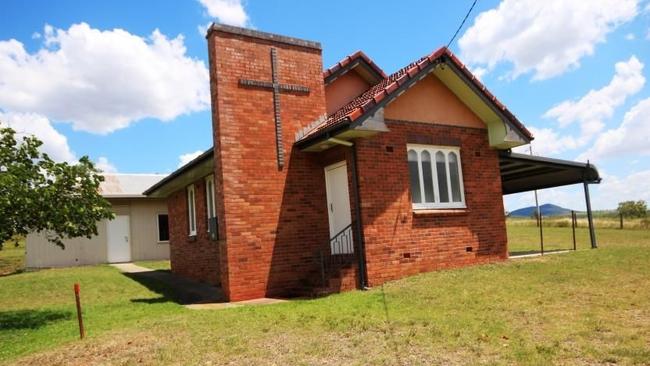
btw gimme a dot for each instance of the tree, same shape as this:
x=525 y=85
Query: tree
x=633 y=209
x=38 y=194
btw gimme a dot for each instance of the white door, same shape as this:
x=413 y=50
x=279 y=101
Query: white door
x=119 y=241
x=338 y=208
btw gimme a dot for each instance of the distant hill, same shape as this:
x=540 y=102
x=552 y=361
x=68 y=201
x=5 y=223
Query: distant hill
x=547 y=209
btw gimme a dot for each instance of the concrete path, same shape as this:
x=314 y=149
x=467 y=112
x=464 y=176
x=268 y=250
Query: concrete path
x=172 y=287
x=226 y=305
x=521 y=256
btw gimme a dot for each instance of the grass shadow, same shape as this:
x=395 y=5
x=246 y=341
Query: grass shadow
x=31 y=319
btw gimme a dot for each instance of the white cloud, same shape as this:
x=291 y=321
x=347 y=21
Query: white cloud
x=549 y=142
x=590 y=110
x=229 y=12
x=544 y=37
x=105 y=166
x=613 y=189
x=55 y=144
x=631 y=138
x=186 y=158
x=630 y=36
x=101 y=81
x=479 y=72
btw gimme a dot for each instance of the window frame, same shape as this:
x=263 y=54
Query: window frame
x=158 y=214
x=191 y=216
x=433 y=150
x=209 y=206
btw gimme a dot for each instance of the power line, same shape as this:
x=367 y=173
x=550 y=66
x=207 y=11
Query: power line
x=461 y=24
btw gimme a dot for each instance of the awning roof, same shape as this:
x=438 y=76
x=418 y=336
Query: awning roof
x=183 y=176
x=522 y=173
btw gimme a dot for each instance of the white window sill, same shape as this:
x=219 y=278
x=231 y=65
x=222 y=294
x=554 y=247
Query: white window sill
x=163 y=241
x=441 y=211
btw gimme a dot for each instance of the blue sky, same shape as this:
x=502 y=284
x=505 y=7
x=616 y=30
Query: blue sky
x=125 y=82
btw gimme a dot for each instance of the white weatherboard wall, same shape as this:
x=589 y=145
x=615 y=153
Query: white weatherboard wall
x=81 y=251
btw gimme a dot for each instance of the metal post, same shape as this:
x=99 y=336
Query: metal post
x=82 y=332
x=539 y=213
x=573 y=227
x=621 y=217
x=363 y=280
x=590 y=218
x=541 y=233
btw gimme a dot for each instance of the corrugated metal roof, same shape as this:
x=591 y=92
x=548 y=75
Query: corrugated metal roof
x=128 y=185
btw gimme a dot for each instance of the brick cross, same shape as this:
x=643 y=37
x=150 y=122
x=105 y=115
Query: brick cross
x=276 y=87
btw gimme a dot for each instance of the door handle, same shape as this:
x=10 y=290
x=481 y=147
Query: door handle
x=331 y=207
x=126 y=239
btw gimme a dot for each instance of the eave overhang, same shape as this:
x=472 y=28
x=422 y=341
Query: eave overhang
x=523 y=173
x=200 y=167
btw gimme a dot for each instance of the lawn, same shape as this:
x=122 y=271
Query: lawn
x=586 y=307
x=523 y=236
x=12 y=258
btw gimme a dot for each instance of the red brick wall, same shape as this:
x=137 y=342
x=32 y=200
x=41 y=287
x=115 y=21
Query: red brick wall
x=196 y=258
x=400 y=243
x=275 y=220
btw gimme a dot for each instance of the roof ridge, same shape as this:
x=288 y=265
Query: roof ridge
x=347 y=60
x=363 y=103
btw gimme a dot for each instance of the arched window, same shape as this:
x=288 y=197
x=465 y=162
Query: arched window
x=414 y=174
x=454 y=177
x=436 y=178
x=427 y=177
x=441 y=170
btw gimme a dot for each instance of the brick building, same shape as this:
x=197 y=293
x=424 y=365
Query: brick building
x=328 y=181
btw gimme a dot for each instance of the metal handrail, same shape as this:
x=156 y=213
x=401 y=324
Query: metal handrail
x=341 y=232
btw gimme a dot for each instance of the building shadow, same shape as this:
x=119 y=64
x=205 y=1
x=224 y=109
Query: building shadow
x=174 y=288
x=31 y=319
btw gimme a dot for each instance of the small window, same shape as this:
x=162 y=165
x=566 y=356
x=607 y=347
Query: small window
x=436 y=177
x=211 y=209
x=163 y=228
x=191 y=210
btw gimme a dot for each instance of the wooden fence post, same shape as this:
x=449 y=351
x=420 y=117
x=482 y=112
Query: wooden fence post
x=82 y=332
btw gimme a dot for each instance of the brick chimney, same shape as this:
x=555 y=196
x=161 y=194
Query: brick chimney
x=251 y=169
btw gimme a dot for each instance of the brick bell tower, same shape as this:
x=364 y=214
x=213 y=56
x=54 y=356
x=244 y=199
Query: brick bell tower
x=265 y=88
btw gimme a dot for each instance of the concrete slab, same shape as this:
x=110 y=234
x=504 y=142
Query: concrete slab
x=227 y=305
x=130 y=268
x=522 y=256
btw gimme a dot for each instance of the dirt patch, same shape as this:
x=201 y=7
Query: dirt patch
x=123 y=348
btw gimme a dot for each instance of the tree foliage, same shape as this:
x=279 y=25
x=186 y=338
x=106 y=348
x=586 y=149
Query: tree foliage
x=633 y=209
x=38 y=194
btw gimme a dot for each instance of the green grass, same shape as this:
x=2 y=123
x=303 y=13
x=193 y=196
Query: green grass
x=12 y=258
x=587 y=307
x=523 y=237
x=157 y=265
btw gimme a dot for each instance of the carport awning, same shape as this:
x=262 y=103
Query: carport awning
x=522 y=173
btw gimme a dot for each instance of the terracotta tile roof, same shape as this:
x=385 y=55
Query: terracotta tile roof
x=348 y=60
x=362 y=104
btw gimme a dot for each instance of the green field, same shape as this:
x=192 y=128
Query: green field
x=524 y=235
x=581 y=308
